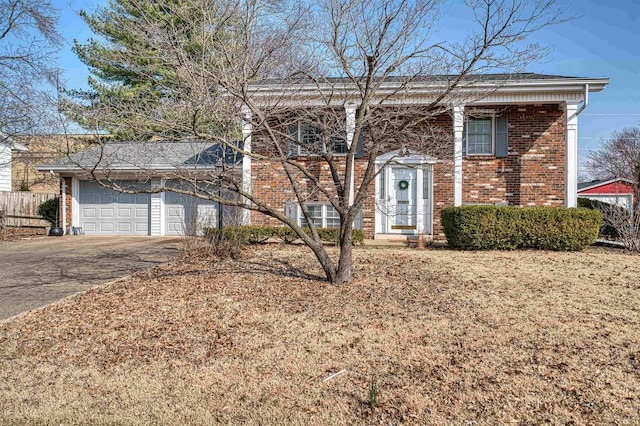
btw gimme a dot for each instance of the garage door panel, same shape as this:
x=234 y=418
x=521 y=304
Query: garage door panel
x=104 y=211
x=106 y=226
x=184 y=212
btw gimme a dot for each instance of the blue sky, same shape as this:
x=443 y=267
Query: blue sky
x=603 y=41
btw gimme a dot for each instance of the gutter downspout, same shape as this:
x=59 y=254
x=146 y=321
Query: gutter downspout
x=571 y=144
x=586 y=100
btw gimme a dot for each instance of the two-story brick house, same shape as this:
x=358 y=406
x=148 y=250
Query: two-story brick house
x=521 y=151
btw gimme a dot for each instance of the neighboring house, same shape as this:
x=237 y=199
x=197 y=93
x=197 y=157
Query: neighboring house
x=7 y=146
x=522 y=153
x=43 y=148
x=615 y=191
x=137 y=167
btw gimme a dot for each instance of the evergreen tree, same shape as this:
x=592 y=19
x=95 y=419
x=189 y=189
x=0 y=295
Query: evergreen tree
x=134 y=66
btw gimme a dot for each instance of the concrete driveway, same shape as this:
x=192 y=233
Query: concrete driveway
x=37 y=272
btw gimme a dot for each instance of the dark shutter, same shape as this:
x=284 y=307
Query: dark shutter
x=291 y=211
x=357 y=222
x=360 y=147
x=292 y=147
x=502 y=135
x=464 y=137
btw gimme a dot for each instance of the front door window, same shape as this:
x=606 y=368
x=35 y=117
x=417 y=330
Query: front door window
x=402 y=200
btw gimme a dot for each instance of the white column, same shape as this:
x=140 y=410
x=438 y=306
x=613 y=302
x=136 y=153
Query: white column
x=163 y=214
x=571 y=154
x=350 y=111
x=458 y=127
x=419 y=202
x=246 y=160
x=75 y=205
x=156 y=206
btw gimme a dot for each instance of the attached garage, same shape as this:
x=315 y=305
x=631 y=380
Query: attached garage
x=107 y=212
x=158 y=167
x=103 y=211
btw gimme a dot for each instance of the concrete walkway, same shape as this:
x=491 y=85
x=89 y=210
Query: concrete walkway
x=37 y=272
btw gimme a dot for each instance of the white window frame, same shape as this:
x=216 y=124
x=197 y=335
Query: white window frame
x=300 y=147
x=493 y=137
x=323 y=214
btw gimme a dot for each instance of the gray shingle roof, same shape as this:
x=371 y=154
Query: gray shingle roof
x=147 y=156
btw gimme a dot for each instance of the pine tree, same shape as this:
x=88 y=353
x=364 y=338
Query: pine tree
x=133 y=79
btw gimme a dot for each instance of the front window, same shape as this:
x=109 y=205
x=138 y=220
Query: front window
x=324 y=215
x=316 y=213
x=479 y=136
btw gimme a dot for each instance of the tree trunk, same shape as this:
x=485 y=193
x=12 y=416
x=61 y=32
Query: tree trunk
x=220 y=218
x=345 y=262
x=325 y=261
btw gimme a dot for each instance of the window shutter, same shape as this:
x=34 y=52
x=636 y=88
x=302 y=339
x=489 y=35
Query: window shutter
x=360 y=148
x=502 y=135
x=291 y=211
x=357 y=222
x=464 y=137
x=292 y=147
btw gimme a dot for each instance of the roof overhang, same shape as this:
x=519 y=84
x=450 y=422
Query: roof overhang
x=517 y=90
x=151 y=169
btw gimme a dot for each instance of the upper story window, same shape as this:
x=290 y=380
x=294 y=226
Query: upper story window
x=311 y=140
x=478 y=136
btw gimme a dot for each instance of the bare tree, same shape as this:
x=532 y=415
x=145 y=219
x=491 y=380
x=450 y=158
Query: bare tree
x=619 y=157
x=29 y=41
x=223 y=54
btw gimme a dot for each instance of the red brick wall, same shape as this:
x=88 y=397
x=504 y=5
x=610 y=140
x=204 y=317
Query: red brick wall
x=531 y=175
x=271 y=185
x=67 y=197
x=533 y=172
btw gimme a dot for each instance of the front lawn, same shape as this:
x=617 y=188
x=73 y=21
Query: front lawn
x=438 y=336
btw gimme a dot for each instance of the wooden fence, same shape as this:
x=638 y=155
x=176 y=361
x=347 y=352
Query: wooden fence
x=21 y=208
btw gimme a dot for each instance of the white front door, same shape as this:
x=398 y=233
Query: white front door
x=402 y=200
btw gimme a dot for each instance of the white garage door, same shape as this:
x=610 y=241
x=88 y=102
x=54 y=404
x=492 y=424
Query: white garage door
x=188 y=215
x=107 y=212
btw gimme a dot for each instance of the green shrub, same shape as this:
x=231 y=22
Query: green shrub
x=48 y=210
x=509 y=228
x=255 y=234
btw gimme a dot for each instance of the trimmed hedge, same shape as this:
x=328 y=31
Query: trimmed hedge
x=254 y=234
x=508 y=228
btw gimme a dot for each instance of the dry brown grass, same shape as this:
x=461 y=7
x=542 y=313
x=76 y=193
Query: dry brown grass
x=452 y=338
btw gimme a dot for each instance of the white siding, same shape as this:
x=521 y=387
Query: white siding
x=5 y=167
x=156 y=210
